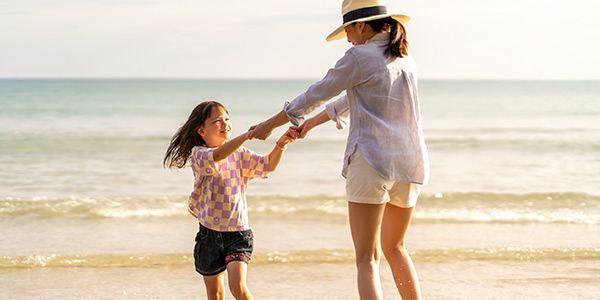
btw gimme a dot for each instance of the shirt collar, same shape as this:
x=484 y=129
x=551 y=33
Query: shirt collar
x=379 y=37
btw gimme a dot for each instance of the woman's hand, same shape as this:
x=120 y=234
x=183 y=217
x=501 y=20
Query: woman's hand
x=302 y=130
x=311 y=123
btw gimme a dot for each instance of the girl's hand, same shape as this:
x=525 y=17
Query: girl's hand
x=292 y=133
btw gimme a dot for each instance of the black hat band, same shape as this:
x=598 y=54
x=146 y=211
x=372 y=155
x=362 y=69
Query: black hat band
x=364 y=12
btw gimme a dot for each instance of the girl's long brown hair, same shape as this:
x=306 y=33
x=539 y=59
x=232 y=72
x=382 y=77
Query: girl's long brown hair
x=187 y=136
x=397 y=45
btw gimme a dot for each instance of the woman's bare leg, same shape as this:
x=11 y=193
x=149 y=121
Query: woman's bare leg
x=394 y=227
x=365 y=227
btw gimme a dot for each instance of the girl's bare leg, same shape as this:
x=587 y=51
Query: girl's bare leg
x=215 y=288
x=365 y=225
x=236 y=274
x=394 y=227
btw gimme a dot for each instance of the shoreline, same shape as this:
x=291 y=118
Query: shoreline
x=448 y=280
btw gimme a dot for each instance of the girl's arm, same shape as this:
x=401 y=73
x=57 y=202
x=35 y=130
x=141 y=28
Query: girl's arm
x=277 y=153
x=225 y=150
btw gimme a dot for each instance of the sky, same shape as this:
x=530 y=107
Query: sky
x=281 y=39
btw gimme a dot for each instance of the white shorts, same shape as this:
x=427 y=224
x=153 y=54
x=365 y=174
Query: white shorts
x=364 y=184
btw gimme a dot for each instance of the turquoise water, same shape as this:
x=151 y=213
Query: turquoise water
x=514 y=183
x=106 y=137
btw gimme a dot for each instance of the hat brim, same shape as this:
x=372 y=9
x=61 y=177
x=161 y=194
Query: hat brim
x=341 y=33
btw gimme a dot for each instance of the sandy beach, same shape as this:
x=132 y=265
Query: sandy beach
x=478 y=262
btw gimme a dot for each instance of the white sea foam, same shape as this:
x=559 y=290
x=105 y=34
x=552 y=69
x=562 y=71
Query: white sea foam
x=570 y=208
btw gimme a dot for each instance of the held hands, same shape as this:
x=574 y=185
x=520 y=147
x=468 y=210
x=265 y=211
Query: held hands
x=294 y=132
x=303 y=129
x=264 y=129
x=260 y=131
x=289 y=136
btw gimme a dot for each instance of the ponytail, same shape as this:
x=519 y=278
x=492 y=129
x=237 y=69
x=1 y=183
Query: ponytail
x=397 y=45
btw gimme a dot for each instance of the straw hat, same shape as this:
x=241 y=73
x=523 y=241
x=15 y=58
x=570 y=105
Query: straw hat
x=362 y=11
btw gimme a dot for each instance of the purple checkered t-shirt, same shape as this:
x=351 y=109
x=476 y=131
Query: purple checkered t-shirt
x=219 y=197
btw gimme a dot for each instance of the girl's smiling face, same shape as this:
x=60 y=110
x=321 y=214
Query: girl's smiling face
x=216 y=129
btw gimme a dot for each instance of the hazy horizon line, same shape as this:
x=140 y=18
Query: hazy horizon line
x=284 y=79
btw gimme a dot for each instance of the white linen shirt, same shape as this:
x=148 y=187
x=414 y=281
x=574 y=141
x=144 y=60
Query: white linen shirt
x=383 y=105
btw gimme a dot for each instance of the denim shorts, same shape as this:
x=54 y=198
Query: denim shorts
x=215 y=249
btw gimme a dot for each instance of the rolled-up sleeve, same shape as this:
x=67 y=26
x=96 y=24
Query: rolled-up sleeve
x=338 y=111
x=297 y=121
x=345 y=74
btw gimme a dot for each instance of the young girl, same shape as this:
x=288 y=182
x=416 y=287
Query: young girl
x=221 y=170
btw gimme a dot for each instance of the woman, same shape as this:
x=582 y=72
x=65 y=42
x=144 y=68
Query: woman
x=386 y=159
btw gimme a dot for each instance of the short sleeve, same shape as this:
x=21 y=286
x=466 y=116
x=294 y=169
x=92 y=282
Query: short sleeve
x=203 y=163
x=254 y=165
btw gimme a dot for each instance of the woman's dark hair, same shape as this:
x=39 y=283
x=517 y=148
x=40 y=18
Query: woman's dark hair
x=187 y=136
x=397 y=45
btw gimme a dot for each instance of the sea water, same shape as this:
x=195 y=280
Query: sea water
x=88 y=211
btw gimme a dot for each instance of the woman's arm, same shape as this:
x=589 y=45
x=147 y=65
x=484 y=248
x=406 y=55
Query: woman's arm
x=311 y=123
x=264 y=129
x=345 y=74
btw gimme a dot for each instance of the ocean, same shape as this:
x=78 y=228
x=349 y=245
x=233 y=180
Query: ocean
x=87 y=211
